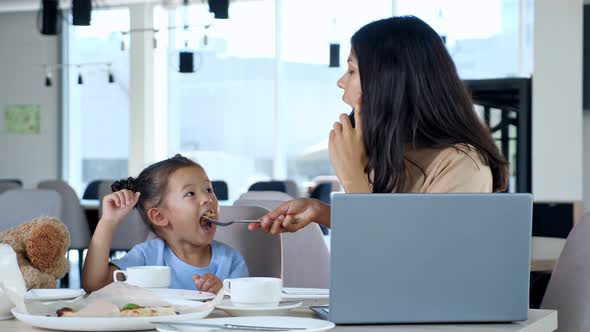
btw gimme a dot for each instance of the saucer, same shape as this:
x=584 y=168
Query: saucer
x=183 y=294
x=241 y=310
x=290 y=293
x=53 y=294
x=303 y=324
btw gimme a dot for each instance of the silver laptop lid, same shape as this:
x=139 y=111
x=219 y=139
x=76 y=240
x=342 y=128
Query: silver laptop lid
x=413 y=258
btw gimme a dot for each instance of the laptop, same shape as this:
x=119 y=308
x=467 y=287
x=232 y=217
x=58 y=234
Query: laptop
x=429 y=258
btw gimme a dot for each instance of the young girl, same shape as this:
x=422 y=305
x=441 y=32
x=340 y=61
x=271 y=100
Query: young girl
x=171 y=196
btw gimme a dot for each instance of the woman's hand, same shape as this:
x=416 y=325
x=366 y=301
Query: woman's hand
x=347 y=152
x=116 y=206
x=294 y=215
x=208 y=283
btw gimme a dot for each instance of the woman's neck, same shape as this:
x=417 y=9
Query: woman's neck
x=190 y=253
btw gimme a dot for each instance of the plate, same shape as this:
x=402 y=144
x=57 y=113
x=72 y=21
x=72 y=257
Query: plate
x=183 y=294
x=309 y=324
x=53 y=294
x=305 y=293
x=236 y=310
x=103 y=324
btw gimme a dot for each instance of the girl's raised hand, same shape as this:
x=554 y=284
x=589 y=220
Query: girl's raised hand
x=116 y=206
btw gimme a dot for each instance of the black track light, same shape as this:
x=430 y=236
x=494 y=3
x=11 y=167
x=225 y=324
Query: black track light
x=111 y=77
x=80 y=81
x=219 y=8
x=81 y=12
x=48 y=77
x=48 y=15
x=334 y=55
x=186 y=62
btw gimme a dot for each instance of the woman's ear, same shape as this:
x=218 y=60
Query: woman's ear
x=157 y=217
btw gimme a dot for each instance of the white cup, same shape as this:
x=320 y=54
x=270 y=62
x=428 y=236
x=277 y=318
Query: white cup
x=255 y=292
x=11 y=278
x=146 y=276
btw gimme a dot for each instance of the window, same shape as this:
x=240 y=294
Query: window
x=226 y=115
x=487 y=39
x=222 y=114
x=97 y=118
x=310 y=101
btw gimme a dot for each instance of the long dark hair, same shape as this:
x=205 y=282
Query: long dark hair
x=152 y=183
x=412 y=96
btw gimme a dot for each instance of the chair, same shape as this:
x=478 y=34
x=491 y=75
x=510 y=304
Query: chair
x=269 y=186
x=9 y=184
x=17 y=181
x=91 y=191
x=261 y=251
x=568 y=290
x=220 y=189
x=266 y=195
x=292 y=189
x=322 y=192
x=306 y=258
x=131 y=231
x=73 y=216
x=19 y=206
x=267 y=204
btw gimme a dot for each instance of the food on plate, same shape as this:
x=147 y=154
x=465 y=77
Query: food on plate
x=65 y=311
x=138 y=311
x=104 y=309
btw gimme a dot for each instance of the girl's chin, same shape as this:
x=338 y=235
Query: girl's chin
x=206 y=232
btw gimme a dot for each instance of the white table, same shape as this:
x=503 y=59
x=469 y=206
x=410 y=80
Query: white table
x=90 y=204
x=539 y=321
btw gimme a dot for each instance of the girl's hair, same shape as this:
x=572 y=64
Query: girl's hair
x=412 y=98
x=152 y=183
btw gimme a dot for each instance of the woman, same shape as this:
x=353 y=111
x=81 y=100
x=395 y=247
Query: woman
x=416 y=130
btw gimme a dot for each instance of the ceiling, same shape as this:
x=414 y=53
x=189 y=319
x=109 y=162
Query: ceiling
x=27 y=5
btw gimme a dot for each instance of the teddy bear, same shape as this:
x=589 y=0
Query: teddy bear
x=40 y=246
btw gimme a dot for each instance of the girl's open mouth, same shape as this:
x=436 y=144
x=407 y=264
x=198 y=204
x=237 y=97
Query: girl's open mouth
x=203 y=222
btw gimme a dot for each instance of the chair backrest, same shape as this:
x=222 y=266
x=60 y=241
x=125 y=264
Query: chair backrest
x=266 y=195
x=131 y=231
x=9 y=185
x=72 y=213
x=568 y=290
x=292 y=189
x=306 y=258
x=220 y=189
x=261 y=251
x=17 y=181
x=322 y=192
x=269 y=186
x=19 y=206
x=267 y=204
x=91 y=191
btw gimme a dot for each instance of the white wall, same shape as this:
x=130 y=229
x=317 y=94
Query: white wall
x=22 y=49
x=557 y=100
x=586 y=154
x=586 y=164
